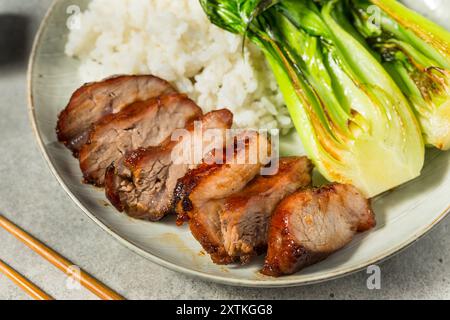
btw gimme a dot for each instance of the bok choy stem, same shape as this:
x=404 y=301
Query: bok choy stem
x=353 y=120
x=416 y=53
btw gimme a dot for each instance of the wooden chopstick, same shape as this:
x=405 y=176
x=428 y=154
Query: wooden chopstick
x=30 y=288
x=92 y=284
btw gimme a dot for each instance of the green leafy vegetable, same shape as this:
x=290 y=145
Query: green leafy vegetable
x=352 y=118
x=416 y=53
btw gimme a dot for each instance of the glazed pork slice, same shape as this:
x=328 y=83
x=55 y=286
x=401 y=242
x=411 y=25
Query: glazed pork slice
x=310 y=225
x=201 y=191
x=143 y=185
x=245 y=216
x=93 y=101
x=140 y=125
x=223 y=173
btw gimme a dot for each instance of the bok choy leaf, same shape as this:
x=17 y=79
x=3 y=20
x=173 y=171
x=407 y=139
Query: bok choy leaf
x=416 y=53
x=354 y=122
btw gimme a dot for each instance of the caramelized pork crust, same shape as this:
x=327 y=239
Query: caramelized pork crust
x=245 y=216
x=93 y=101
x=312 y=224
x=222 y=173
x=141 y=124
x=143 y=185
x=201 y=192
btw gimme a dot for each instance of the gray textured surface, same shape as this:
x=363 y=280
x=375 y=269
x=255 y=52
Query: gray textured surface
x=31 y=197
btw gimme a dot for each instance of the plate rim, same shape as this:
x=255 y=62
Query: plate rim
x=273 y=283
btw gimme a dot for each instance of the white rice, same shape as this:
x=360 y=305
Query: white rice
x=175 y=41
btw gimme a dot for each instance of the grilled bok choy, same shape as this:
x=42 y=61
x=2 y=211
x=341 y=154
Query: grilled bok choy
x=352 y=118
x=416 y=53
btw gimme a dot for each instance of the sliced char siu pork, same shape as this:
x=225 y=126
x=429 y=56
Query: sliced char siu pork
x=93 y=101
x=310 y=225
x=143 y=184
x=245 y=216
x=201 y=191
x=141 y=124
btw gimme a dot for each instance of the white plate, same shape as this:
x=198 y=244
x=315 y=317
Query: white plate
x=403 y=215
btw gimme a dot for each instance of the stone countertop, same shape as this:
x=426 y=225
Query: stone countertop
x=31 y=197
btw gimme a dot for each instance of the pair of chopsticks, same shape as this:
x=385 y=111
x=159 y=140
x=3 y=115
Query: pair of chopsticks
x=93 y=285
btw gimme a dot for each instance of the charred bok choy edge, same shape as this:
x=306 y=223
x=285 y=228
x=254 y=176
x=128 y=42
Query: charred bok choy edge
x=352 y=118
x=416 y=52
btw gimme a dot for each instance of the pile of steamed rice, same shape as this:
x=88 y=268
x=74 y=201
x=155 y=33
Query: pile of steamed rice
x=175 y=41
